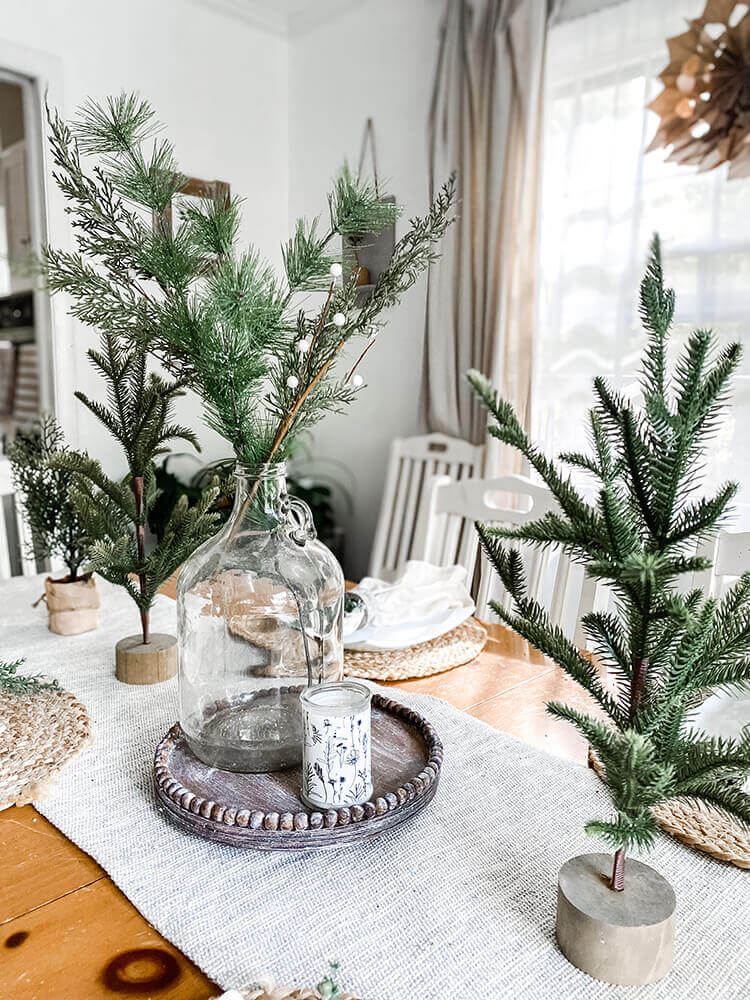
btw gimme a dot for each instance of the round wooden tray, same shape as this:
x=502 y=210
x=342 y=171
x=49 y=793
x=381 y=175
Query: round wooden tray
x=265 y=810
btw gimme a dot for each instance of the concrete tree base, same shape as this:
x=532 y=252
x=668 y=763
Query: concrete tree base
x=624 y=937
x=136 y=663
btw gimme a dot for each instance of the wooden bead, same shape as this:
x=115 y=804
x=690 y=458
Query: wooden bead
x=271 y=822
x=316 y=820
x=256 y=819
x=286 y=822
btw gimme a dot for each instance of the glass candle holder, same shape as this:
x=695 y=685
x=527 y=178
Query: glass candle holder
x=336 y=759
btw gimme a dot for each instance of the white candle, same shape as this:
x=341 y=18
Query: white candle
x=336 y=753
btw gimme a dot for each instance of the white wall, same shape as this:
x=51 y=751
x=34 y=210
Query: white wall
x=220 y=86
x=274 y=118
x=376 y=60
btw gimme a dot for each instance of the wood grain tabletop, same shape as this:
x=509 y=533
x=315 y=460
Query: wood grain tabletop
x=68 y=933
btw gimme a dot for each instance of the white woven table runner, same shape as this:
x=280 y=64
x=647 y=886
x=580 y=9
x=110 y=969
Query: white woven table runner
x=458 y=903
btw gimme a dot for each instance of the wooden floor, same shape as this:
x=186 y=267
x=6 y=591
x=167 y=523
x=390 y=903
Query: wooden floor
x=66 y=931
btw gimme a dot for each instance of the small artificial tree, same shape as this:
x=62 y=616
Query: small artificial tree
x=44 y=493
x=665 y=648
x=216 y=316
x=115 y=513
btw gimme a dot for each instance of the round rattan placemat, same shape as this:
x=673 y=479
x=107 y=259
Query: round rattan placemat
x=700 y=826
x=39 y=734
x=453 y=649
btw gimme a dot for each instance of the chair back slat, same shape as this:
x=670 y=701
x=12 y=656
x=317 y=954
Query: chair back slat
x=413 y=463
x=16 y=558
x=729 y=551
x=5 y=563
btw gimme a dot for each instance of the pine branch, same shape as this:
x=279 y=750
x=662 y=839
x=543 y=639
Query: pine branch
x=11 y=682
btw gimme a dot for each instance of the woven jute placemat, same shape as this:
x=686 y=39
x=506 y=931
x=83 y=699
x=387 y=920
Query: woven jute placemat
x=39 y=734
x=700 y=826
x=453 y=649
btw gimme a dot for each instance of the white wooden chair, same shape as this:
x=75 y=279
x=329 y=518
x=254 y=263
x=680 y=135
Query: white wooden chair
x=447 y=536
x=730 y=553
x=413 y=462
x=15 y=536
x=724 y=713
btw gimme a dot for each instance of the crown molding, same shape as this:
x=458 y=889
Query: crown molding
x=285 y=18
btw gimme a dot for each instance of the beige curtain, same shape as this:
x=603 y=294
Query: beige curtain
x=485 y=122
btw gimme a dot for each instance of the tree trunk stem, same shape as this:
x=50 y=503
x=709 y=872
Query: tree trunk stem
x=140 y=537
x=638 y=685
x=146 y=627
x=617 y=882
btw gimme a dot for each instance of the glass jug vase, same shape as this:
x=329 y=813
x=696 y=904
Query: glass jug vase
x=259 y=614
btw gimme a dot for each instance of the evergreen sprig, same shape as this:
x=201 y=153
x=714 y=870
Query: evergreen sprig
x=215 y=315
x=664 y=648
x=43 y=491
x=11 y=682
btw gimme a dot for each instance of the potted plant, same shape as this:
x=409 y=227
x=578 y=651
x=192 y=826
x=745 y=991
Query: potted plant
x=57 y=530
x=665 y=647
x=260 y=604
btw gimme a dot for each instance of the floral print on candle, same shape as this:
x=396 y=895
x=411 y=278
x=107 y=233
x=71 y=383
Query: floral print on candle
x=336 y=767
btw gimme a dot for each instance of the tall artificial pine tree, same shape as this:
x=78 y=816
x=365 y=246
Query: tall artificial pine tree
x=664 y=647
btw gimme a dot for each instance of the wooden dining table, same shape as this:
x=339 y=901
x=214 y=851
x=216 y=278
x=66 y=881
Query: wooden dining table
x=68 y=933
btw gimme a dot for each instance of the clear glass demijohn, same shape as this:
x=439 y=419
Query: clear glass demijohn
x=259 y=609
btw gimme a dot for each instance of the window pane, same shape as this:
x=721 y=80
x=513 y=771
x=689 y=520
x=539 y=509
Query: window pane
x=602 y=197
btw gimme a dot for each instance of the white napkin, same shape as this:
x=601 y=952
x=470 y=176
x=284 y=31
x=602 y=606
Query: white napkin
x=424 y=602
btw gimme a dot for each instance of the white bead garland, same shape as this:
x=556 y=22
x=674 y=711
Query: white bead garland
x=339 y=319
x=292 y=382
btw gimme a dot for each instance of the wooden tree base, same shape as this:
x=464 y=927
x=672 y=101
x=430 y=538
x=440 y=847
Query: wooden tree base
x=624 y=937
x=136 y=663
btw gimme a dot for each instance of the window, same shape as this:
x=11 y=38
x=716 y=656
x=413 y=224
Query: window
x=602 y=198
